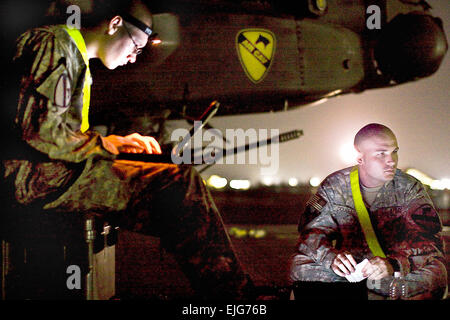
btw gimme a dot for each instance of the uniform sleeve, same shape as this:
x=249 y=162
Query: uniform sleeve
x=47 y=88
x=420 y=255
x=318 y=229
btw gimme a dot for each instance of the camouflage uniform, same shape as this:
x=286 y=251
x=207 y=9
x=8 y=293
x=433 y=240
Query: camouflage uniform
x=404 y=220
x=62 y=169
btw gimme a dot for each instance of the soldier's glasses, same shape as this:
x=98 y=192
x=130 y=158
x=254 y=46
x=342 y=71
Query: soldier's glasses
x=141 y=26
x=137 y=50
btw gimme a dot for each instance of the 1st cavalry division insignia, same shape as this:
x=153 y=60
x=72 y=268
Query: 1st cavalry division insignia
x=256 y=49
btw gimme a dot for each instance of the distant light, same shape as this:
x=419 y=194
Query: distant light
x=440 y=184
x=434 y=184
x=237 y=232
x=257 y=233
x=217 y=182
x=422 y=177
x=240 y=184
x=293 y=182
x=348 y=153
x=267 y=180
x=314 y=181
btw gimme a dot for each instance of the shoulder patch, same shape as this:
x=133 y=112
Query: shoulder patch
x=317 y=202
x=62 y=94
x=313 y=208
x=57 y=88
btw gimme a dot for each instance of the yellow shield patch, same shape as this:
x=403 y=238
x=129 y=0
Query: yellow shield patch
x=256 y=49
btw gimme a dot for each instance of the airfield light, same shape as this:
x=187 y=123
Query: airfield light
x=440 y=184
x=422 y=177
x=434 y=184
x=217 y=182
x=293 y=182
x=314 y=181
x=240 y=184
x=257 y=233
x=267 y=180
x=237 y=232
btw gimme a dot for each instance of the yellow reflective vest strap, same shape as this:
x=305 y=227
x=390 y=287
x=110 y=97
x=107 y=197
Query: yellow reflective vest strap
x=75 y=34
x=363 y=215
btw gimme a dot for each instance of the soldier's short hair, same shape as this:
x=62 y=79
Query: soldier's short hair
x=371 y=130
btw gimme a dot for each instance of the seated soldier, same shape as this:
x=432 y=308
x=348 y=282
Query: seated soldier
x=405 y=225
x=58 y=163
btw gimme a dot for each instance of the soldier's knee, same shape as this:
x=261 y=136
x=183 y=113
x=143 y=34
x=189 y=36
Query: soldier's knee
x=298 y=265
x=187 y=169
x=189 y=173
x=180 y=174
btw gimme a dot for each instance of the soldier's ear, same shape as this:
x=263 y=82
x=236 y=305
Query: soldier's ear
x=359 y=156
x=114 y=24
x=359 y=159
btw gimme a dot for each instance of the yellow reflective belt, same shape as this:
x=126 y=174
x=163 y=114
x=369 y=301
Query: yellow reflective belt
x=75 y=34
x=363 y=215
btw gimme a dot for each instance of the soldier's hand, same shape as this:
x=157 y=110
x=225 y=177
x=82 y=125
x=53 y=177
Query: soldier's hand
x=133 y=143
x=343 y=264
x=377 y=268
x=150 y=145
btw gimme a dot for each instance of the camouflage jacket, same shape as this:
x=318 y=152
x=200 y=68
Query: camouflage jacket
x=51 y=150
x=403 y=217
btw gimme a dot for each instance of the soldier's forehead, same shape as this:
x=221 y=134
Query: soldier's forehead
x=380 y=141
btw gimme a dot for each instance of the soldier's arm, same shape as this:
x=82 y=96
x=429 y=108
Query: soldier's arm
x=317 y=230
x=47 y=85
x=425 y=263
